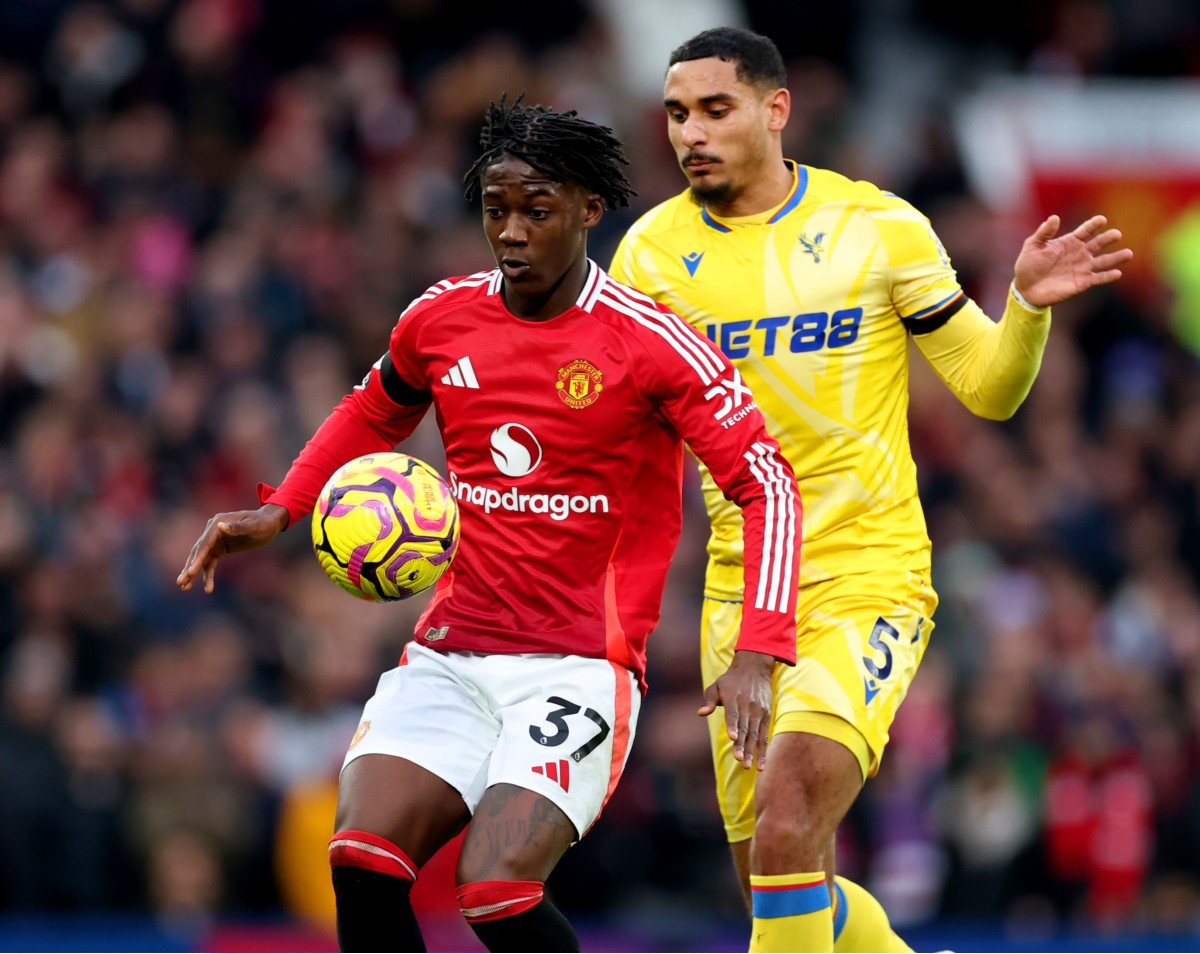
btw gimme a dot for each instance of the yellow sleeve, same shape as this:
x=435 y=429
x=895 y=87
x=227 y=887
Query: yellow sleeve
x=621 y=266
x=989 y=365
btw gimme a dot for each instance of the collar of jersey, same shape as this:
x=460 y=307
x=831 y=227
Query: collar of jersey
x=771 y=216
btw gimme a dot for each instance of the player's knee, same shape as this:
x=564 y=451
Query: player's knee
x=514 y=916
x=361 y=850
x=483 y=901
x=794 y=835
x=372 y=885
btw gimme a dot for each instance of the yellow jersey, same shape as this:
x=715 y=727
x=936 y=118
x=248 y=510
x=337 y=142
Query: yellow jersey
x=813 y=302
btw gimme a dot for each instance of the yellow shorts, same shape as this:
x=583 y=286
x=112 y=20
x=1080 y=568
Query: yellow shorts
x=859 y=641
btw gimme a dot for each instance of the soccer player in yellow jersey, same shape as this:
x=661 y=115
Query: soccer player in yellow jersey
x=812 y=284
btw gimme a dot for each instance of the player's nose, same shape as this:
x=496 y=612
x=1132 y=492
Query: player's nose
x=693 y=132
x=514 y=231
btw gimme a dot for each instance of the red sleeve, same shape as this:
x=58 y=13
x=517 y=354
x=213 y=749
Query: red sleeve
x=706 y=400
x=376 y=416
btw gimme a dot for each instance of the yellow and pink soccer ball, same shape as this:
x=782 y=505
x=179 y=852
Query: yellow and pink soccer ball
x=385 y=527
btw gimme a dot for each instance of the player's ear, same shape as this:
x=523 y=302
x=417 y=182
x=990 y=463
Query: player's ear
x=593 y=210
x=779 y=108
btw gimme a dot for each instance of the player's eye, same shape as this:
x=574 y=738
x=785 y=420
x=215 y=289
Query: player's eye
x=539 y=213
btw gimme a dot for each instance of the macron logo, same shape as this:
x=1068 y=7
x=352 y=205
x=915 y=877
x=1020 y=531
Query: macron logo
x=692 y=261
x=461 y=375
x=870 y=690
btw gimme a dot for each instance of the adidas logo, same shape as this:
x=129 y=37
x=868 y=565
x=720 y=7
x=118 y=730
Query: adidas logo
x=559 y=771
x=461 y=375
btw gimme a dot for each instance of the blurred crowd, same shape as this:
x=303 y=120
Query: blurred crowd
x=211 y=214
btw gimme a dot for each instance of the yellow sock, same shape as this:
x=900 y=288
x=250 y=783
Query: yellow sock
x=859 y=921
x=791 y=913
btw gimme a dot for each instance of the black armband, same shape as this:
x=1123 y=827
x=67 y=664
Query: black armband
x=397 y=388
x=932 y=321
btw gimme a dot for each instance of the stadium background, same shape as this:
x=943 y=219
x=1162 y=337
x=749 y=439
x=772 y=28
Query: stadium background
x=211 y=212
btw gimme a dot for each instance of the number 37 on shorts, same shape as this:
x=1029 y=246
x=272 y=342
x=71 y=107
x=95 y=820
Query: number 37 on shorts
x=561 y=726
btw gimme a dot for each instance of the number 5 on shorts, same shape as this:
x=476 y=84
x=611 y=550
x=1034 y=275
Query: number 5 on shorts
x=882 y=628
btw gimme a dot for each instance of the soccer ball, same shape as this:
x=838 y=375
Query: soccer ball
x=385 y=527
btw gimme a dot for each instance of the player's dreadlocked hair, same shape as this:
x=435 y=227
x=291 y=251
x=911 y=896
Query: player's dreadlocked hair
x=560 y=145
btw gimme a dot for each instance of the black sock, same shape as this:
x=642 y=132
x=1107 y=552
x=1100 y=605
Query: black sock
x=374 y=912
x=541 y=928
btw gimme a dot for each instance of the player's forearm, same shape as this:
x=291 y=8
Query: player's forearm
x=990 y=366
x=355 y=427
x=771 y=528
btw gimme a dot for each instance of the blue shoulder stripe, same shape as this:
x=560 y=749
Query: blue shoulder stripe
x=799 y=187
x=710 y=221
x=798 y=191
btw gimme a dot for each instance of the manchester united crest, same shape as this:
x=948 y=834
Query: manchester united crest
x=579 y=383
x=363 y=728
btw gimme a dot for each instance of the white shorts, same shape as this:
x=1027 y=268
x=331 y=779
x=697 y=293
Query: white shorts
x=560 y=726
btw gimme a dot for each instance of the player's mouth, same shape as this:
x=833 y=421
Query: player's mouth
x=699 y=164
x=514 y=268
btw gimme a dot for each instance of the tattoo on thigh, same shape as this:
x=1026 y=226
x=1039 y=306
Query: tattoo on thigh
x=503 y=827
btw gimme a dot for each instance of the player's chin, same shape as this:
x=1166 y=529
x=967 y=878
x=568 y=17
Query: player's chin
x=527 y=282
x=707 y=189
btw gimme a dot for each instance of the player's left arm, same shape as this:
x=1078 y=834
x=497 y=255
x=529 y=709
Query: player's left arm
x=991 y=366
x=717 y=417
x=706 y=400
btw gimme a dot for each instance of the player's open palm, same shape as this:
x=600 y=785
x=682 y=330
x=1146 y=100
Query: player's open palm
x=1052 y=268
x=745 y=690
x=230 y=533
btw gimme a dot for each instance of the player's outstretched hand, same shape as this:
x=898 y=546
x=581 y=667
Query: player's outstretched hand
x=1052 y=268
x=744 y=689
x=230 y=533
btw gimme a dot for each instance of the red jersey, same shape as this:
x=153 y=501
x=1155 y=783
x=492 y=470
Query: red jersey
x=564 y=446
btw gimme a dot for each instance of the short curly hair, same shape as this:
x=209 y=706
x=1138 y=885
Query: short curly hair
x=756 y=57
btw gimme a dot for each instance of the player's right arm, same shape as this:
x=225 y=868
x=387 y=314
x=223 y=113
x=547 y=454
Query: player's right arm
x=232 y=532
x=632 y=258
x=622 y=266
x=375 y=416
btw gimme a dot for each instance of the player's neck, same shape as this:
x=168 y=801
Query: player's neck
x=764 y=191
x=551 y=303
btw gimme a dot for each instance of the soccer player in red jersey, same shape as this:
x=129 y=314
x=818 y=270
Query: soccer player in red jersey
x=564 y=400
